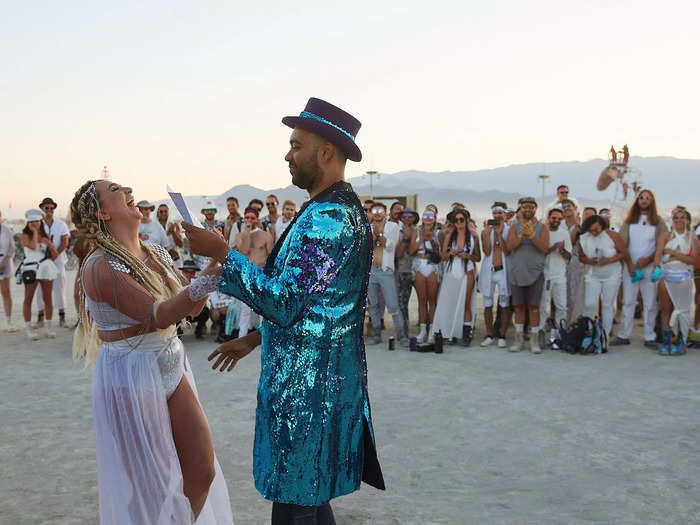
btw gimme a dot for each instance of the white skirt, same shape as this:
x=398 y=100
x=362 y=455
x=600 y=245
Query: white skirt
x=139 y=478
x=449 y=312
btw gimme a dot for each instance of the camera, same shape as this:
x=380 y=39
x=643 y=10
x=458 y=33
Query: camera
x=492 y=222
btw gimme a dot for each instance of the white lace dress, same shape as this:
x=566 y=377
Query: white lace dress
x=139 y=478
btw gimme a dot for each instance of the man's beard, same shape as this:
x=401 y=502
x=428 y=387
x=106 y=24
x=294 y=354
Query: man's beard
x=305 y=176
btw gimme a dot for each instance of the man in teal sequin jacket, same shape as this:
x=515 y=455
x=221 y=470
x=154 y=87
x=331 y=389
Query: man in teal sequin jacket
x=313 y=438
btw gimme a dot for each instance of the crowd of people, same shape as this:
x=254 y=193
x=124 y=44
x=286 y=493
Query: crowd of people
x=571 y=263
x=544 y=274
x=308 y=274
x=46 y=239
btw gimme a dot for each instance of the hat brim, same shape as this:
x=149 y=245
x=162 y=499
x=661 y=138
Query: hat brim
x=329 y=133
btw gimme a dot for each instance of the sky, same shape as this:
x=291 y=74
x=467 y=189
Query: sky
x=192 y=95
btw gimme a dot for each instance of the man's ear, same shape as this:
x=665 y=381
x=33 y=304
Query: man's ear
x=326 y=152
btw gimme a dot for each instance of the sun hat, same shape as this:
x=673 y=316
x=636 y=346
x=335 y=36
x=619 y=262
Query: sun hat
x=209 y=205
x=416 y=217
x=34 y=215
x=331 y=123
x=145 y=205
x=48 y=200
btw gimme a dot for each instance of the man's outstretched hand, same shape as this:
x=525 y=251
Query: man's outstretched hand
x=204 y=242
x=229 y=353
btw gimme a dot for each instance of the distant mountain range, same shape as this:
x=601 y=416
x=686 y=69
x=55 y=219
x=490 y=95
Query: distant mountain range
x=674 y=181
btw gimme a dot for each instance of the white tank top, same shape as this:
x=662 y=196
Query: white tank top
x=599 y=247
x=682 y=243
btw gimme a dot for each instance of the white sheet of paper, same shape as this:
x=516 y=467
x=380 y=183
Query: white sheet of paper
x=179 y=202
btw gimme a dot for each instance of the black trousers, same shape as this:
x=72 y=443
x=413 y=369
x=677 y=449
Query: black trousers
x=288 y=514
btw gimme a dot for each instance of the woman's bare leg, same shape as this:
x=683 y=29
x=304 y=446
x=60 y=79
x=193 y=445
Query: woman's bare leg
x=27 y=305
x=468 y=299
x=419 y=284
x=432 y=288
x=6 y=297
x=193 y=443
x=47 y=294
x=666 y=306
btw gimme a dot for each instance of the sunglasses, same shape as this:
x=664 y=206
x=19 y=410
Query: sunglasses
x=460 y=219
x=428 y=215
x=406 y=215
x=268 y=204
x=49 y=208
x=378 y=210
x=368 y=209
x=563 y=191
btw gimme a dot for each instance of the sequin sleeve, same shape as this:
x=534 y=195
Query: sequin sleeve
x=319 y=246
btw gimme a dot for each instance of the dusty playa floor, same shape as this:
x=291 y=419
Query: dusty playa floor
x=469 y=436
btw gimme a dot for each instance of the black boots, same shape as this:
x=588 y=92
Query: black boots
x=466 y=335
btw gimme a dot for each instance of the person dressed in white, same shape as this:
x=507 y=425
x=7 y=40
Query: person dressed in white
x=59 y=234
x=675 y=257
x=601 y=253
x=289 y=210
x=38 y=269
x=7 y=252
x=460 y=250
x=381 y=289
x=494 y=273
x=155 y=456
x=555 y=271
x=640 y=232
x=150 y=231
x=172 y=231
x=424 y=244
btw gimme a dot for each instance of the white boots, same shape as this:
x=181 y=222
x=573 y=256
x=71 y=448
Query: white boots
x=8 y=326
x=34 y=335
x=31 y=332
x=49 y=329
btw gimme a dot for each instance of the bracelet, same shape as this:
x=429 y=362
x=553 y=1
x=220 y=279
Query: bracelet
x=202 y=286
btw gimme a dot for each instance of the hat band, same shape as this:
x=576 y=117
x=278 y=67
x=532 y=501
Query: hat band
x=308 y=114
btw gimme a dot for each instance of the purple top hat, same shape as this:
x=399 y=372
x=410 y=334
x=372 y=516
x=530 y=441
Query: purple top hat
x=331 y=123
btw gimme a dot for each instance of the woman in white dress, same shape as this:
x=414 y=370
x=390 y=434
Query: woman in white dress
x=38 y=269
x=675 y=257
x=601 y=253
x=155 y=457
x=460 y=250
x=7 y=252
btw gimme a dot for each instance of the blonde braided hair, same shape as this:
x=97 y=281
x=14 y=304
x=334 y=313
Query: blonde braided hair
x=85 y=209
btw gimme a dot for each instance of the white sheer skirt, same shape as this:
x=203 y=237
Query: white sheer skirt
x=449 y=311
x=138 y=471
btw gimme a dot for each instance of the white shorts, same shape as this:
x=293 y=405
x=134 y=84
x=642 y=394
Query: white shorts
x=423 y=267
x=499 y=279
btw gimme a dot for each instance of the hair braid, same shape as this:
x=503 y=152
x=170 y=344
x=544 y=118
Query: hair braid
x=84 y=209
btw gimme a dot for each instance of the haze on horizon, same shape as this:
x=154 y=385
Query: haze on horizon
x=193 y=96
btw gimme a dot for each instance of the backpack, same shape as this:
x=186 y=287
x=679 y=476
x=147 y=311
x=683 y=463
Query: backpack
x=583 y=336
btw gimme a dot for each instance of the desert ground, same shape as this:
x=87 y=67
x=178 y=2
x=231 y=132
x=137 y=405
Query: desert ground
x=471 y=436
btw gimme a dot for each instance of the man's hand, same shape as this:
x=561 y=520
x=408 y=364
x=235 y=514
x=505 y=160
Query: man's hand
x=229 y=353
x=204 y=242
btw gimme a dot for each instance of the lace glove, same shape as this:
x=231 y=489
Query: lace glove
x=656 y=274
x=202 y=286
x=638 y=275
